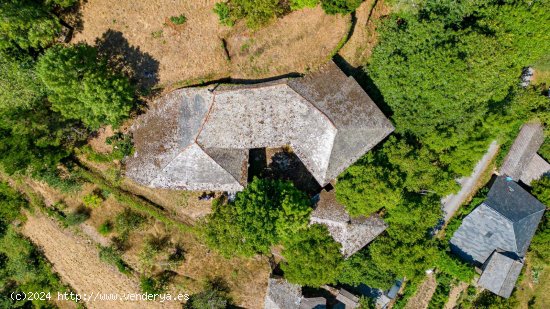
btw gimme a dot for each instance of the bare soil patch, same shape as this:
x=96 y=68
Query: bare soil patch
x=136 y=35
x=364 y=38
x=423 y=295
x=78 y=264
x=99 y=141
x=454 y=294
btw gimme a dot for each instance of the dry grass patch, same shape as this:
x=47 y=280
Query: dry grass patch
x=77 y=263
x=359 y=47
x=298 y=42
x=156 y=52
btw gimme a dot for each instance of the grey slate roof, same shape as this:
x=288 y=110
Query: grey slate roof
x=313 y=303
x=282 y=295
x=352 y=233
x=535 y=170
x=500 y=274
x=507 y=221
x=524 y=148
x=198 y=139
x=349 y=300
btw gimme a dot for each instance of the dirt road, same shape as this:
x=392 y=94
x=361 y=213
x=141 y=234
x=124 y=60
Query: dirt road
x=78 y=264
x=452 y=202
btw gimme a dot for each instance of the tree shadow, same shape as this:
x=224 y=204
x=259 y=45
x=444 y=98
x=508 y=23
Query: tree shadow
x=71 y=17
x=365 y=81
x=140 y=66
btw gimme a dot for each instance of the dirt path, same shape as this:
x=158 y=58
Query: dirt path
x=423 y=295
x=78 y=264
x=454 y=294
x=452 y=202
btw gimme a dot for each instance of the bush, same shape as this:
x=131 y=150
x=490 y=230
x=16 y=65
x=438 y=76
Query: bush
x=215 y=295
x=178 y=20
x=340 y=6
x=92 y=200
x=105 y=228
x=300 y=4
x=77 y=216
x=441 y=294
x=156 y=284
x=122 y=145
x=256 y=12
x=112 y=256
x=224 y=14
x=128 y=220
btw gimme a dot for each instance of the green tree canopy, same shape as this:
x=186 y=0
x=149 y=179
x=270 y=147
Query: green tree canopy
x=262 y=214
x=31 y=135
x=81 y=86
x=312 y=257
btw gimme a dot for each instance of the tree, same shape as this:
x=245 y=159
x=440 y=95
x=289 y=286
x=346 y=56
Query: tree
x=541 y=190
x=340 y=6
x=32 y=136
x=370 y=184
x=81 y=86
x=312 y=257
x=262 y=214
x=27 y=24
x=360 y=269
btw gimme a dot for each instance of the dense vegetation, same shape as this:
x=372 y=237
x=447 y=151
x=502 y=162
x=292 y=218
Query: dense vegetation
x=449 y=73
x=257 y=13
x=23 y=268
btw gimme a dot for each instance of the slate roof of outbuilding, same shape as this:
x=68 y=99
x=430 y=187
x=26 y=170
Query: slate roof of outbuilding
x=352 y=233
x=282 y=294
x=506 y=220
x=536 y=169
x=500 y=274
x=524 y=148
x=198 y=139
x=313 y=303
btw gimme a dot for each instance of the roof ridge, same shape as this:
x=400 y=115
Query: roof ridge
x=217 y=163
x=324 y=115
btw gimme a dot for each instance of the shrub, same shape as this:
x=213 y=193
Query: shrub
x=340 y=6
x=112 y=256
x=122 y=145
x=178 y=20
x=441 y=294
x=215 y=295
x=128 y=220
x=105 y=228
x=92 y=200
x=300 y=4
x=224 y=14
x=156 y=284
x=256 y=12
x=77 y=216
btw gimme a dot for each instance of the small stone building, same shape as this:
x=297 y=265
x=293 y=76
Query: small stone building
x=522 y=162
x=496 y=235
x=352 y=233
